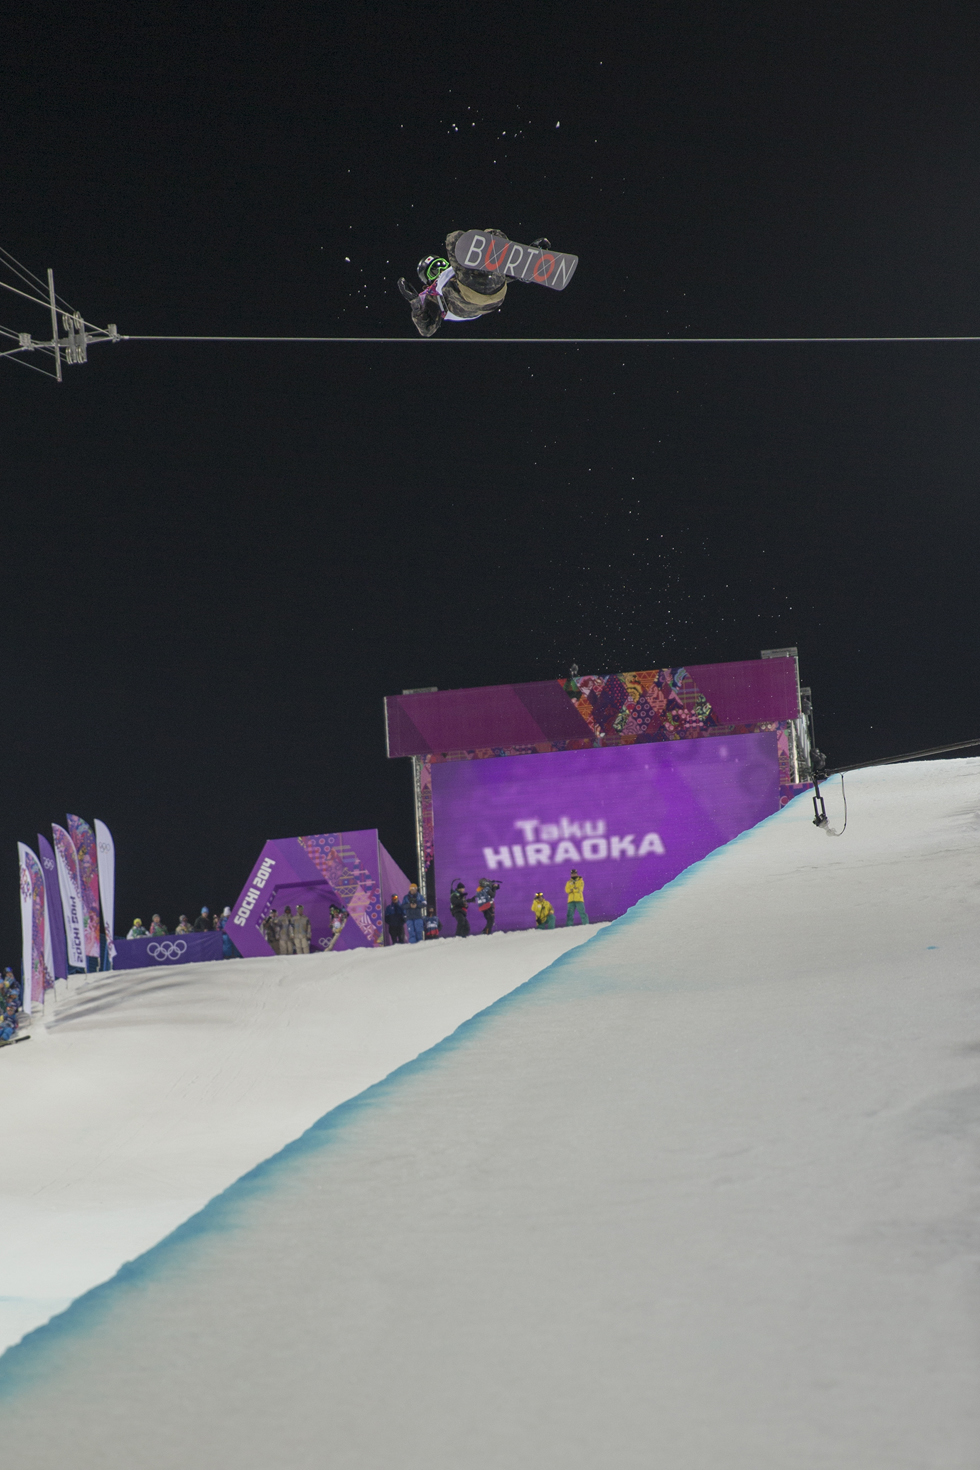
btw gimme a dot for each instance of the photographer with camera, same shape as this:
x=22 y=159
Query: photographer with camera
x=483 y=898
x=457 y=907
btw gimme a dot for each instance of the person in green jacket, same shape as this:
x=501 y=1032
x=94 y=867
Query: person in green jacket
x=575 y=888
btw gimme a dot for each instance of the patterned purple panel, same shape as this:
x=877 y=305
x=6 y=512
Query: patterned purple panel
x=749 y=692
x=652 y=704
x=393 y=880
x=344 y=865
x=456 y=719
x=553 y=711
x=349 y=862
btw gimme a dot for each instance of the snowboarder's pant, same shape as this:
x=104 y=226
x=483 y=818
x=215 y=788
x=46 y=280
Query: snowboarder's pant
x=489 y=916
x=548 y=923
x=576 y=906
x=415 y=933
x=302 y=944
x=397 y=933
x=286 y=945
x=462 y=926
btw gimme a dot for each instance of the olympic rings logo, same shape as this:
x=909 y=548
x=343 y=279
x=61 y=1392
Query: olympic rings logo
x=168 y=952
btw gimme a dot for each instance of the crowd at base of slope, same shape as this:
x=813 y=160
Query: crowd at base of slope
x=12 y=1018
x=290 y=933
x=203 y=924
x=421 y=922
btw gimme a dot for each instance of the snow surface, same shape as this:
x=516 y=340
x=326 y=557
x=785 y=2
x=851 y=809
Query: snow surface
x=703 y=1194
x=150 y=1091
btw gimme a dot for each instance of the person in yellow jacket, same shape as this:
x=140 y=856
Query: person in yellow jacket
x=575 y=888
x=543 y=911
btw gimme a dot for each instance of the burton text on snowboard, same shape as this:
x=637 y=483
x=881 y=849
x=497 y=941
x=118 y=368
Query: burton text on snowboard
x=482 y=250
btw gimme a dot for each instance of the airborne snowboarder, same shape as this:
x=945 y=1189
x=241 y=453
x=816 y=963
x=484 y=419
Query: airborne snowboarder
x=456 y=293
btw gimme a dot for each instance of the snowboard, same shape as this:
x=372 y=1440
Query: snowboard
x=482 y=250
x=14 y=1041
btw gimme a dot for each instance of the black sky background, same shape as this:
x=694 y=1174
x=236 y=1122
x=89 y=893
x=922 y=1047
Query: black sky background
x=218 y=559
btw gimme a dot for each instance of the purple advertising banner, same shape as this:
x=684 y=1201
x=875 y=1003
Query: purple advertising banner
x=167 y=949
x=56 y=920
x=88 y=868
x=629 y=819
x=652 y=704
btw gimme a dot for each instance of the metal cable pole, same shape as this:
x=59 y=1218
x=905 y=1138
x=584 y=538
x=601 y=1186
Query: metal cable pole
x=54 y=325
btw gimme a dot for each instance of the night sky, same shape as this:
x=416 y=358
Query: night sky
x=218 y=559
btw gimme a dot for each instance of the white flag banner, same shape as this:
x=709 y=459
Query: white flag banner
x=106 y=854
x=26 y=924
x=70 y=884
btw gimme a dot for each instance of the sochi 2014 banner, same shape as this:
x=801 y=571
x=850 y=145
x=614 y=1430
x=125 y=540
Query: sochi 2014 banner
x=88 y=867
x=106 y=854
x=54 y=920
x=72 y=902
x=32 y=928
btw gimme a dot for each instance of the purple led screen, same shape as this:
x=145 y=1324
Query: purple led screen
x=630 y=819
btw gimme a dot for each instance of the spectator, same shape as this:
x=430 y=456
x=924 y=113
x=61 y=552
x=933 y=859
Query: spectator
x=302 y=931
x=414 y=907
x=287 y=933
x=270 y=930
x=483 y=898
x=184 y=927
x=457 y=907
x=137 y=931
x=156 y=926
x=338 y=918
x=431 y=925
x=228 y=950
x=203 y=921
x=575 y=888
x=395 y=919
x=8 y=1019
x=544 y=912
x=9 y=1004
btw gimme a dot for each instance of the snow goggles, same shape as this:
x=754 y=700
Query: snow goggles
x=433 y=267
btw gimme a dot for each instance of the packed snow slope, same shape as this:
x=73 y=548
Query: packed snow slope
x=148 y=1092
x=702 y=1194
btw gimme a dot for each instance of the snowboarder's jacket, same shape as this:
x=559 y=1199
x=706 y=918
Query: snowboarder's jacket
x=467 y=293
x=395 y=916
x=484 y=896
x=575 y=888
x=432 y=927
x=541 y=909
x=414 y=904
